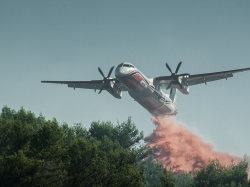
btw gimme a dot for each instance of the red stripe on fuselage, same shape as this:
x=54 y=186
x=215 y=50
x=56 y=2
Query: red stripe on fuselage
x=166 y=102
x=131 y=72
x=133 y=81
x=139 y=78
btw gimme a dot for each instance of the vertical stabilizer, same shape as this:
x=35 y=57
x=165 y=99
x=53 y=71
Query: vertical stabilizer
x=173 y=95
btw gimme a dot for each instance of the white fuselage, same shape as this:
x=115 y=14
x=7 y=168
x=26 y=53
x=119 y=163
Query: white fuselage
x=141 y=89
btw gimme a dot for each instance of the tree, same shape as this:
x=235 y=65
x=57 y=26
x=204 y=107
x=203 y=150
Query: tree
x=216 y=174
x=18 y=170
x=125 y=133
x=15 y=131
x=153 y=171
x=167 y=179
x=80 y=131
x=86 y=165
x=184 y=180
x=39 y=152
x=7 y=113
x=29 y=153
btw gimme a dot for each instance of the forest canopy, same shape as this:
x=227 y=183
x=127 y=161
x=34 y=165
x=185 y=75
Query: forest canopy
x=39 y=152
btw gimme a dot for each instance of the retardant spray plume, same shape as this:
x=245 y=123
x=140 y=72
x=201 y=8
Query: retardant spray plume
x=178 y=148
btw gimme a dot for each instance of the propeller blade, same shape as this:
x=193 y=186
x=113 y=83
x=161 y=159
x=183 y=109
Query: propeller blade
x=101 y=71
x=170 y=84
x=169 y=67
x=178 y=67
x=101 y=89
x=110 y=71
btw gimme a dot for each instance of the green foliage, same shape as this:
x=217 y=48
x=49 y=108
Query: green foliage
x=15 y=131
x=7 y=113
x=184 y=180
x=86 y=165
x=216 y=174
x=157 y=175
x=37 y=152
x=80 y=131
x=125 y=133
x=18 y=169
x=153 y=171
x=47 y=141
x=167 y=179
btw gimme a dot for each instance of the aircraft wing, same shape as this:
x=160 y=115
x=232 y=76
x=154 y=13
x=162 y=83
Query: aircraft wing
x=94 y=84
x=199 y=78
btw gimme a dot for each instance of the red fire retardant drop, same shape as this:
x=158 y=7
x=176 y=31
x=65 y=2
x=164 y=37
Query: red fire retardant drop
x=178 y=148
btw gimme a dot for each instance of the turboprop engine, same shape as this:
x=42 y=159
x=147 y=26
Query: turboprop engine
x=181 y=85
x=109 y=84
x=178 y=80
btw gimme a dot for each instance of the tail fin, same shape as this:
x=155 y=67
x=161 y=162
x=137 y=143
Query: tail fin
x=173 y=95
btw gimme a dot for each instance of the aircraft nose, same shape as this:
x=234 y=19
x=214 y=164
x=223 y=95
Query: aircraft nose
x=121 y=71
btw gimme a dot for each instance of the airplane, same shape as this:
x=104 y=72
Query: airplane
x=148 y=91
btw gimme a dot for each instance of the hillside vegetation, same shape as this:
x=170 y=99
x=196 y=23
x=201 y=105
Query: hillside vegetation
x=39 y=152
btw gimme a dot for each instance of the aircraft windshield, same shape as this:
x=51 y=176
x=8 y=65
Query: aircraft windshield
x=125 y=65
x=128 y=65
x=120 y=65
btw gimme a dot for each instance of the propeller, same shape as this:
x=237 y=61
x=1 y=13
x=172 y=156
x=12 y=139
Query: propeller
x=106 y=80
x=175 y=75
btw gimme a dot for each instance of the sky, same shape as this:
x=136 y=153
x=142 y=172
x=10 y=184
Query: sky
x=69 y=40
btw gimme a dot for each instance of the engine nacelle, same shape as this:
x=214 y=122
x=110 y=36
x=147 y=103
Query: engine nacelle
x=115 y=91
x=184 y=87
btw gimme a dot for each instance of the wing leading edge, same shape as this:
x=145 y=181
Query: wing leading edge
x=163 y=81
x=94 y=84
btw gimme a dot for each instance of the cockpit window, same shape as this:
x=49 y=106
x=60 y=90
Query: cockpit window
x=120 y=65
x=128 y=65
x=125 y=65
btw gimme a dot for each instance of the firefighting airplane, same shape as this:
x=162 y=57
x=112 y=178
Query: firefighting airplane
x=148 y=91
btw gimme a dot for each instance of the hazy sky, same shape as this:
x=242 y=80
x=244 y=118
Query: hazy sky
x=69 y=40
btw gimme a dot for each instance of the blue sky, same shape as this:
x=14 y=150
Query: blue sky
x=69 y=40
